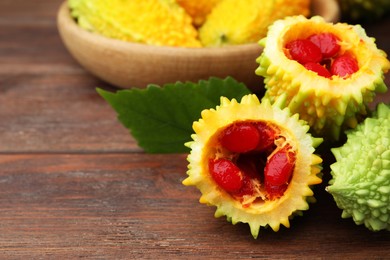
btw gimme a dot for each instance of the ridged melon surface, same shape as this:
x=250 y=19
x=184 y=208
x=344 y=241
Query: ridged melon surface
x=259 y=211
x=361 y=173
x=329 y=105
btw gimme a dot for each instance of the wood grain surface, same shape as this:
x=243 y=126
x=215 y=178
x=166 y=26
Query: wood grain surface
x=74 y=183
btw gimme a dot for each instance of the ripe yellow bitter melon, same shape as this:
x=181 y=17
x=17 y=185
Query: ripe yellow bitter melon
x=234 y=22
x=254 y=162
x=153 y=22
x=330 y=84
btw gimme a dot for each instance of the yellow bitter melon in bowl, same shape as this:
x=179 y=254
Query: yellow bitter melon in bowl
x=330 y=100
x=153 y=22
x=254 y=161
x=234 y=22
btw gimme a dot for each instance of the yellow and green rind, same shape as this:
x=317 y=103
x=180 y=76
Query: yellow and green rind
x=328 y=105
x=234 y=22
x=154 y=22
x=306 y=172
x=361 y=174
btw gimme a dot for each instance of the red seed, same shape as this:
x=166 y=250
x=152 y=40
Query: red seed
x=240 y=137
x=279 y=168
x=226 y=174
x=304 y=51
x=278 y=172
x=267 y=136
x=246 y=188
x=327 y=43
x=275 y=191
x=344 y=66
x=320 y=70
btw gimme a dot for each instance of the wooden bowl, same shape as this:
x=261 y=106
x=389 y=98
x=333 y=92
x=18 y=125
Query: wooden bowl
x=124 y=64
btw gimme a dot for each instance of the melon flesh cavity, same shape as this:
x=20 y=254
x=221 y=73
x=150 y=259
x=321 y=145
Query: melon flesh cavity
x=329 y=105
x=260 y=208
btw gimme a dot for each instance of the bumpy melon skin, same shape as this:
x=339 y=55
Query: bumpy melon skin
x=153 y=22
x=361 y=173
x=234 y=22
x=329 y=105
x=272 y=213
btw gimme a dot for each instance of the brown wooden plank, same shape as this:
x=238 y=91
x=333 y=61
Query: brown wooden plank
x=134 y=206
x=34 y=49
x=59 y=113
x=19 y=11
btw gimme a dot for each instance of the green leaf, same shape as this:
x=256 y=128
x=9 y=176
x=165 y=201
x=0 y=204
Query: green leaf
x=160 y=118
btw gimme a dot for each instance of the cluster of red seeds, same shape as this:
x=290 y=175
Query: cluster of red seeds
x=320 y=53
x=253 y=143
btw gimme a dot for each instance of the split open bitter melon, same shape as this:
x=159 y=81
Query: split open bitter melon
x=361 y=173
x=154 y=22
x=328 y=72
x=234 y=22
x=254 y=162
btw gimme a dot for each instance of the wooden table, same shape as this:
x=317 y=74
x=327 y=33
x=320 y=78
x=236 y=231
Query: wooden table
x=74 y=184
